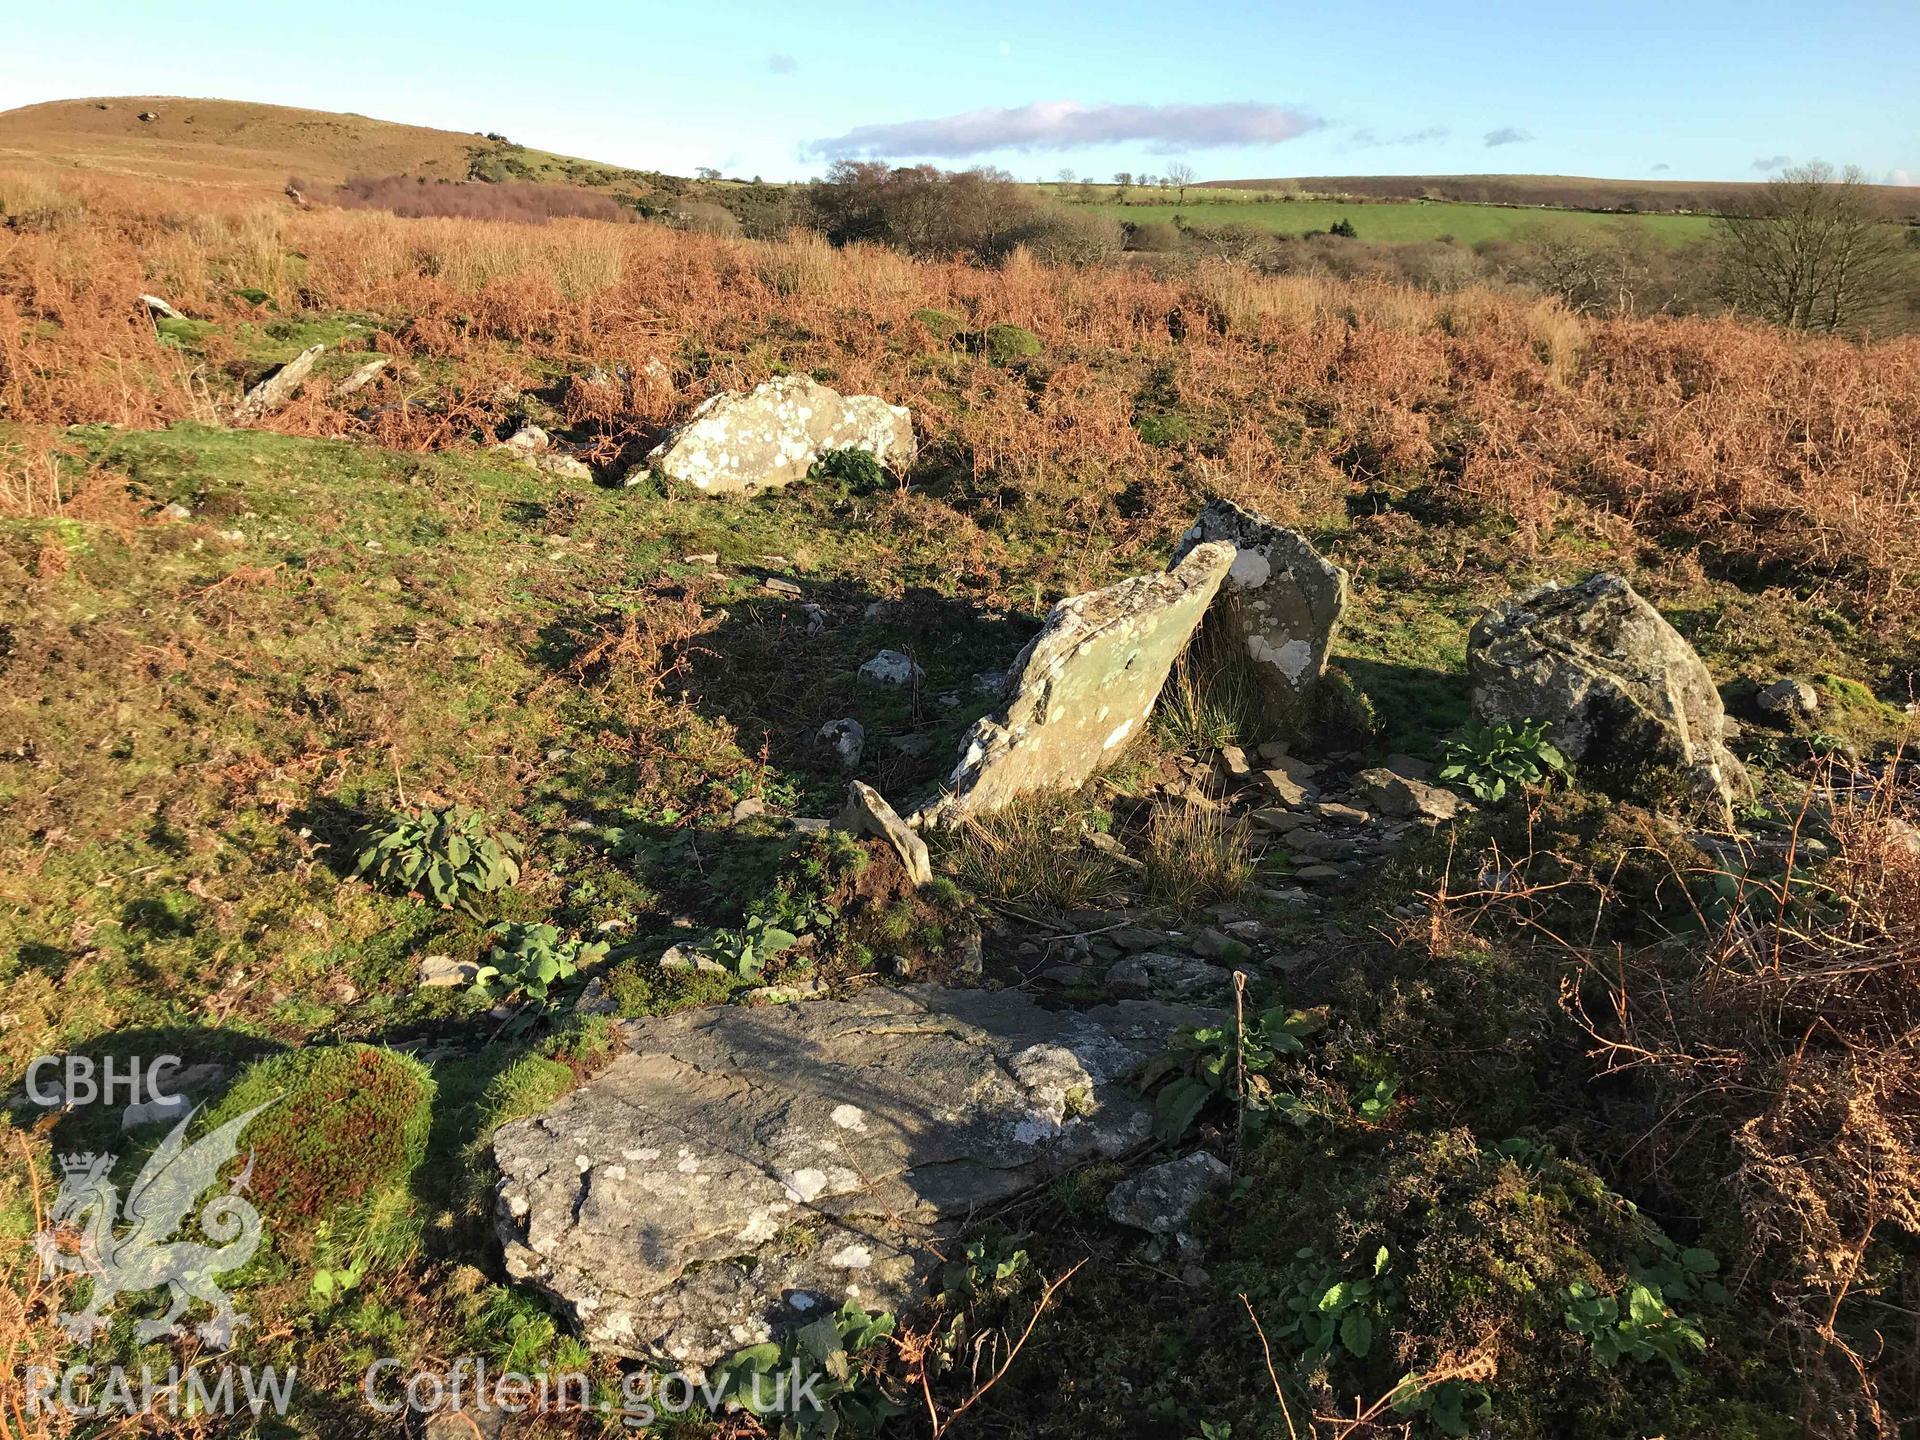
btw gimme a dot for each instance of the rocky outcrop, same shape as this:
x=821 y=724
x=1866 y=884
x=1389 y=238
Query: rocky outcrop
x=742 y=1167
x=1084 y=686
x=760 y=439
x=1281 y=602
x=1624 y=696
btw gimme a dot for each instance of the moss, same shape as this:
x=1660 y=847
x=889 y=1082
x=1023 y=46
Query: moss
x=342 y=1123
x=1004 y=344
x=941 y=324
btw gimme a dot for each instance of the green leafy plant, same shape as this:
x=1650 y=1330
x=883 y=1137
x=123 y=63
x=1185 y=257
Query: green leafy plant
x=1491 y=760
x=986 y=1265
x=1375 y=1100
x=858 y=470
x=449 y=855
x=1648 y=1330
x=746 y=951
x=1219 y=1062
x=1452 y=1406
x=1328 y=1312
x=765 y=1380
x=331 y=1280
x=531 y=960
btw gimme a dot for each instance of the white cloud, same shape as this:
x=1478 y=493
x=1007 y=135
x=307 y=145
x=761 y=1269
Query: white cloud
x=1070 y=125
x=1506 y=135
x=782 y=64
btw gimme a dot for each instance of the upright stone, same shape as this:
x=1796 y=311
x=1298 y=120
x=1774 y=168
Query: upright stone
x=1623 y=694
x=1084 y=686
x=738 y=442
x=1281 y=601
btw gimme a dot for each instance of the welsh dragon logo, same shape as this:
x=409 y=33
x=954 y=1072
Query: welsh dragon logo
x=144 y=1255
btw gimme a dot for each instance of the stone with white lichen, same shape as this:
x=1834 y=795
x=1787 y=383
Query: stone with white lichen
x=738 y=1166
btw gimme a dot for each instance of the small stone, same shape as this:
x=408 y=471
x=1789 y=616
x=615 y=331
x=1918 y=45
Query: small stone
x=816 y=619
x=1244 y=929
x=846 y=738
x=1274 y=750
x=1397 y=794
x=1064 y=975
x=529 y=439
x=811 y=824
x=1789 y=699
x=439 y=972
x=1169 y=977
x=912 y=746
x=176 y=511
x=1280 y=821
x=891 y=668
x=774 y=585
x=1286 y=789
x=748 y=808
x=1339 y=814
x=1234 y=761
x=1318 y=873
x=686 y=957
x=708 y=557
x=1218 y=945
x=1162 y=1198
x=989 y=683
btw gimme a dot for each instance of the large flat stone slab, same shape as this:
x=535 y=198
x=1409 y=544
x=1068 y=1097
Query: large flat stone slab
x=1084 y=687
x=760 y=439
x=744 y=1166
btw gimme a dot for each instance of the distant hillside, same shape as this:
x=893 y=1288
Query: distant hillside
x=1574 y=192
x=241 y=145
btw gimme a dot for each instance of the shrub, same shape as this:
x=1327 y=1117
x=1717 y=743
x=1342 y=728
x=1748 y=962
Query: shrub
x=343 y=1124
x=416 y=197
x=857 y=470
x=1005 y=344
x=448 y=855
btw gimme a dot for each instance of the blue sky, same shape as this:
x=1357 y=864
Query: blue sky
x=1685 y=89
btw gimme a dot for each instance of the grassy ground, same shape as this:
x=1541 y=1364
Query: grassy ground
x=229 y=651
x=1386 y=222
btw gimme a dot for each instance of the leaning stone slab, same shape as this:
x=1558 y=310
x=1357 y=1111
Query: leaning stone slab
x=742 y=1167
x=1281 y=602
x=278 y=388
x=868 y=813
x=1622 y=692
x=1083 y=687
x=1162 y=1198
x=742 y=441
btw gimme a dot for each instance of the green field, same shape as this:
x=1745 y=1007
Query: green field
x=1395 y=222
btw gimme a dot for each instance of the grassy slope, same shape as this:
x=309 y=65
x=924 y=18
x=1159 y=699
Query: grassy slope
x=214 y=703
x=241 y=145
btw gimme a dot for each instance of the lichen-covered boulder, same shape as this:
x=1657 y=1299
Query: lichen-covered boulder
x=763 y=438
x=1623 y=694
x=742 y=1168
x=1281 y=602
x=1083 y=687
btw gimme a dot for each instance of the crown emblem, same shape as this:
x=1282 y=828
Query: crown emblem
x=84 y=1162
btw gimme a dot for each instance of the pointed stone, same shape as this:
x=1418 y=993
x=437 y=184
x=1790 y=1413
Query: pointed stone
x=1281 y=602
x=1084 y=687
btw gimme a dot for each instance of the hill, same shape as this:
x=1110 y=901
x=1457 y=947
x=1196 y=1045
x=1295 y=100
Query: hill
x=1572 y=192
x=240 y=145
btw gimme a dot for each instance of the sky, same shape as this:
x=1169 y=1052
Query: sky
x=1682 y=89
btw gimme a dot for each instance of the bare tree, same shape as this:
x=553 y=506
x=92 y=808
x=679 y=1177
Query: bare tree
x=1813 y=253
x=1180 y=175
x=1067 y=177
